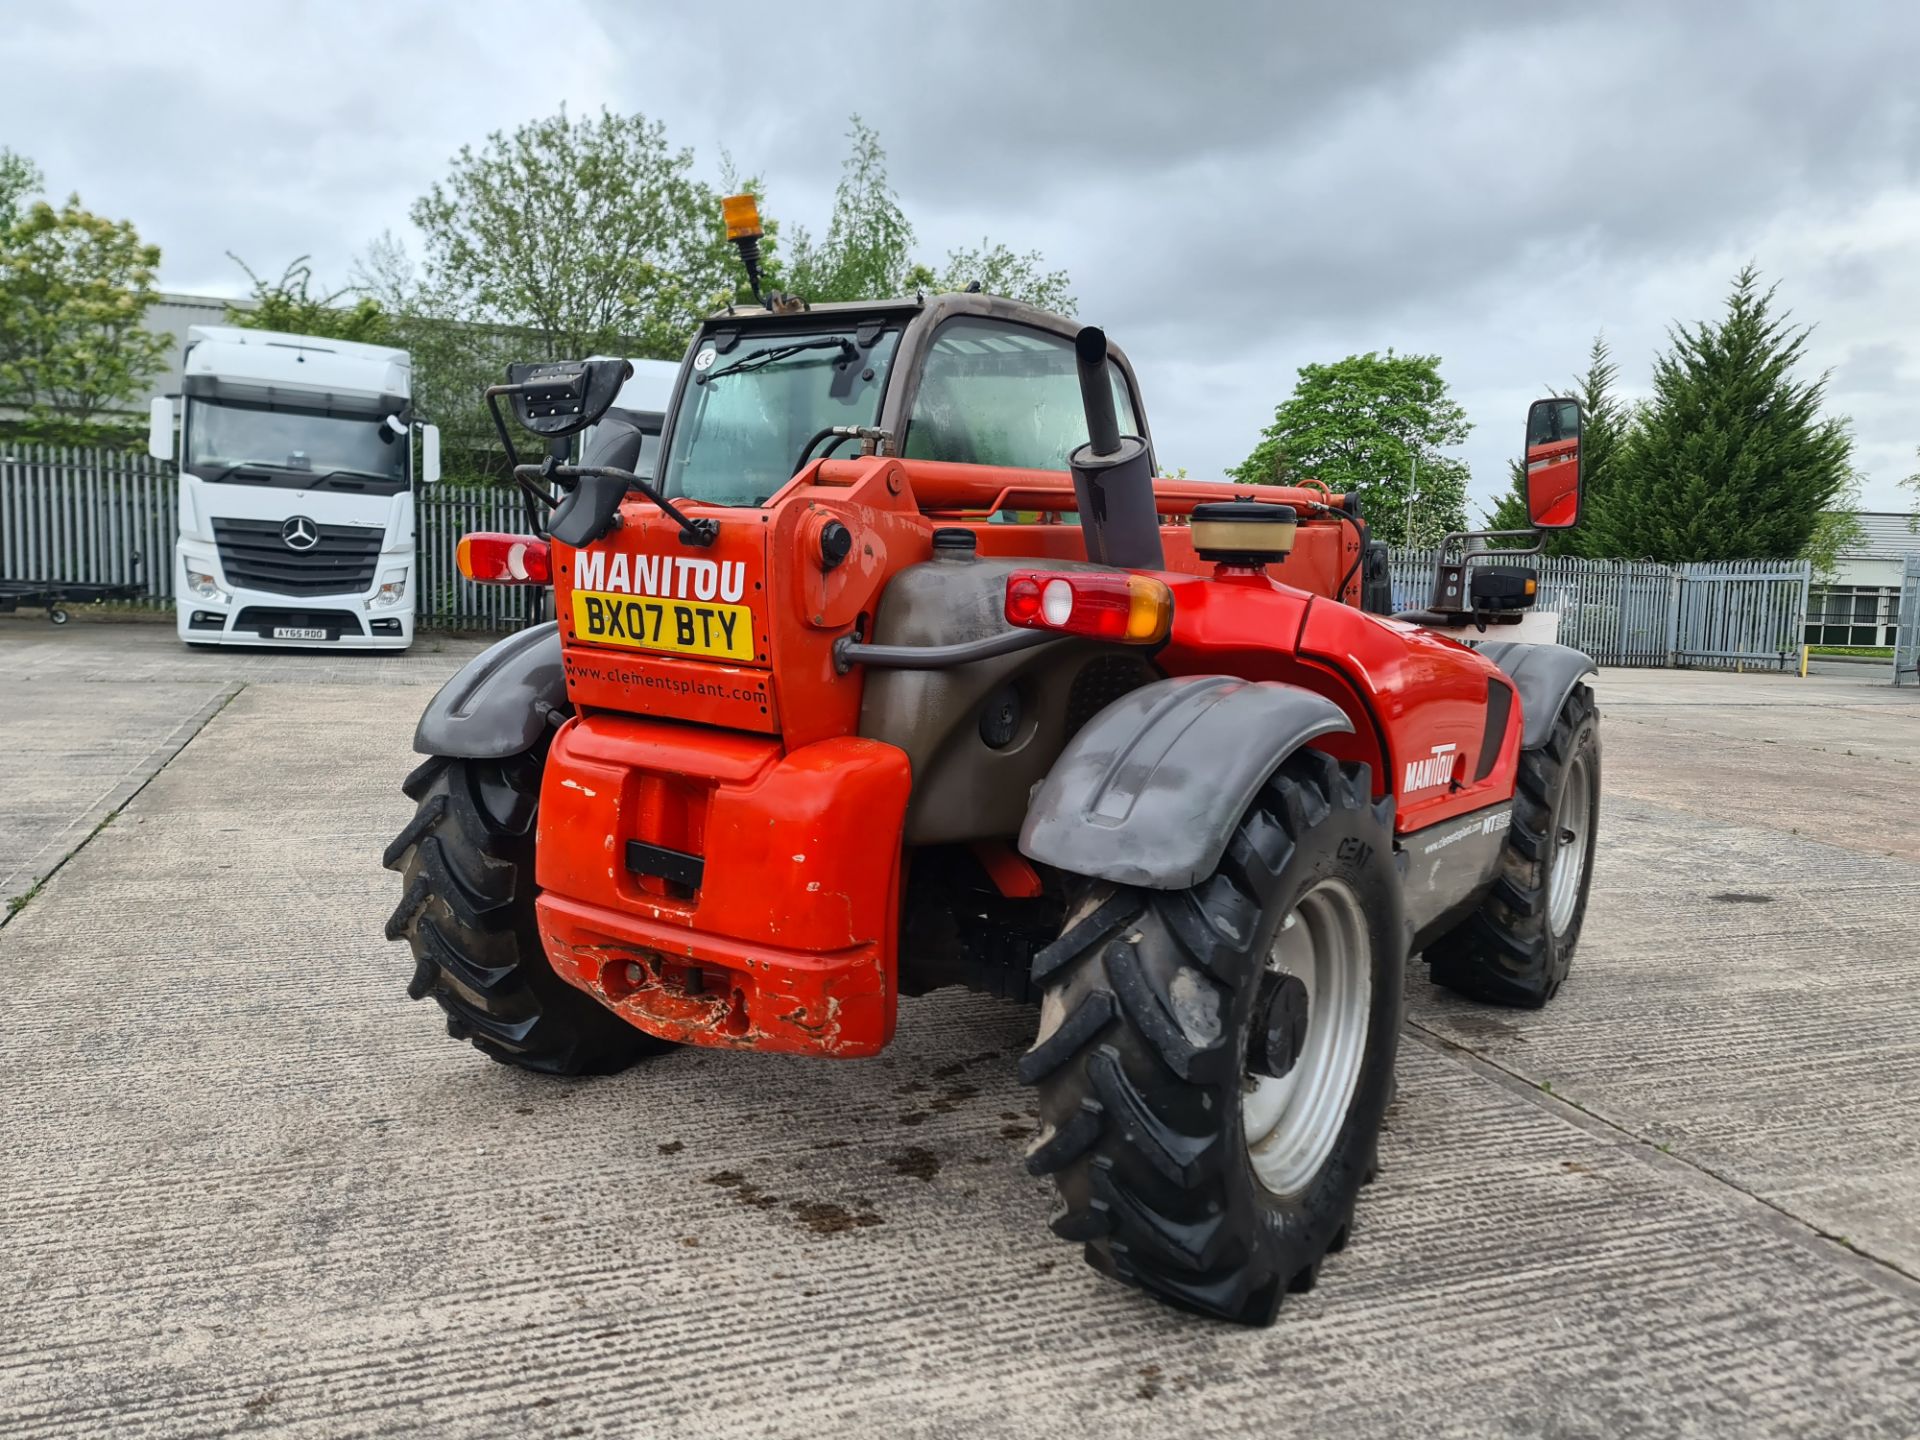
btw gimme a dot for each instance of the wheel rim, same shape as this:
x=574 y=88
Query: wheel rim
x=1292 y=1121
x=1572 y=825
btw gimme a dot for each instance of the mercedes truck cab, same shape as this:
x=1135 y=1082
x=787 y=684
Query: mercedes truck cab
x=297 y=470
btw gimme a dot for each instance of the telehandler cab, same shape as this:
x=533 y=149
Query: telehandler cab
x=903 y=670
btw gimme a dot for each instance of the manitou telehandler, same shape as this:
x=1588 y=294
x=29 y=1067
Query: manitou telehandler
x=903 y=670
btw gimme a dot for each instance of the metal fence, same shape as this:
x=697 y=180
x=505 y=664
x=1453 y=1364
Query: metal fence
x=1629 y=612
x=447 y=600
x=98 y=517
x=83 y=515
x=110 y=517
x=1906 y=643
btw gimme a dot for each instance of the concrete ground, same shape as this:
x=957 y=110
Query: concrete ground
x=246 y=1187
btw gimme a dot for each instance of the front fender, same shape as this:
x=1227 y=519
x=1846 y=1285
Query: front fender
x=500 y=702
x=1150 y=790
x=1544 y=675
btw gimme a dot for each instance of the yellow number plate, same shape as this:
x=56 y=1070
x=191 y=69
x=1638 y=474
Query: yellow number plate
x=684 y=627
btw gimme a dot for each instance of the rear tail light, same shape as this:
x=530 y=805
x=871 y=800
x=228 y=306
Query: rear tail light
x=489 y=558
x=1132 y=609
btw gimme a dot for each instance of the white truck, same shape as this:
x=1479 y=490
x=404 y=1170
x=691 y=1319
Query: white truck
x=296 y=460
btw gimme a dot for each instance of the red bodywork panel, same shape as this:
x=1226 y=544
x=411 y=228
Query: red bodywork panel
x=711 y=723
x=788 y=941
x=1418 y=701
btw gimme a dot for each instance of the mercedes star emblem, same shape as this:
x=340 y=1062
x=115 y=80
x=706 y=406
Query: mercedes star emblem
x=300 y=533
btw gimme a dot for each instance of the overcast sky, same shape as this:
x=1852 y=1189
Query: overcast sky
x=1236 y=188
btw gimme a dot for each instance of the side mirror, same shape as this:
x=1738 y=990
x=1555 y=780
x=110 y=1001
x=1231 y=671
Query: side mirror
x=560 y=398
x=429 y=454
x=1553 y=464
x=160 y=429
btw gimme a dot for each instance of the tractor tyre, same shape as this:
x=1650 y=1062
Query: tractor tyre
x=466 y=859
x=1516 y=948
x=1213 y=1064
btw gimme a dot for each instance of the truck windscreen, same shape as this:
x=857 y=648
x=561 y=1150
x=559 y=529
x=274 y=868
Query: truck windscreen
x=270 y=443
x=744 y=415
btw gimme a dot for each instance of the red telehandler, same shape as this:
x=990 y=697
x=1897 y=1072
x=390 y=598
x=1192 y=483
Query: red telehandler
x=891 y=665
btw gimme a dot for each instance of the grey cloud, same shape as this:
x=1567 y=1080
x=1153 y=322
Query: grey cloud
x=1237 y=188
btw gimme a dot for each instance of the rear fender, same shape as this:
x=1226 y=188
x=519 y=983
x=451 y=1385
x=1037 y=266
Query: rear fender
x=502 y=701
x=1149 y=792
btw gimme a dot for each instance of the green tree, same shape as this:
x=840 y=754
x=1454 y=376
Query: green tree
x=998 y=270
x=1912 y=482
x=1835 y=532
x=454 y=360
x=1733 y=459
x=290 y=306
x=868 y=250
x=1605 y=424
x=588 y=236
x=74 y=288
x=1377 y=425
x=19 y=178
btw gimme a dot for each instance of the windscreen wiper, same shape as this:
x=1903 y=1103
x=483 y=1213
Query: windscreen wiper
x=356 y=476
x=767 y=354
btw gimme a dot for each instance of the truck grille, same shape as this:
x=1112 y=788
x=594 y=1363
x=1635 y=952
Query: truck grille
x=340 y=562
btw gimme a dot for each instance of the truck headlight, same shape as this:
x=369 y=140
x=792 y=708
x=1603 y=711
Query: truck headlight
x=206 y=586
x=392 y=591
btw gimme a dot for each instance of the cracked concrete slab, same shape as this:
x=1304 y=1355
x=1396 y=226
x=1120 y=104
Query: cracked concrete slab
x=249 y=1187
x=1745 y=991
x=73 y=757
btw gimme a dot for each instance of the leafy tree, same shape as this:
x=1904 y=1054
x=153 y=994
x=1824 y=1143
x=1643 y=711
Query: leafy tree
x=999 y=271
x=1373 y=424
x=74 y=288
x=454 y=360
x=19 y=178
x=1912 y=482
x=1605 y=424
x=1733 y=459
x=1835 y=532
x=868 y=250
x=289 y=305
x=590 y=236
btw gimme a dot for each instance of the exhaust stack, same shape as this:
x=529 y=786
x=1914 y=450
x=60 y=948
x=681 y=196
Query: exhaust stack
x=1112 y=475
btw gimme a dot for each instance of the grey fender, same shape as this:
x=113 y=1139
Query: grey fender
x=1544 y=675
x=499 y=703
x=1152 y=788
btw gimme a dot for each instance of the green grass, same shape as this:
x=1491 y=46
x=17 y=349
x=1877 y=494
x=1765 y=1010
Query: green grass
x=1859 y=652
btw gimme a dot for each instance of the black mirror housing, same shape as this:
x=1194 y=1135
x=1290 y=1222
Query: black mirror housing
x=558 y=398
x=1504 y=588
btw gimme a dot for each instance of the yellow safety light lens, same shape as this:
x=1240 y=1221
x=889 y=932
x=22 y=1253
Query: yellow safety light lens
x=742 y=214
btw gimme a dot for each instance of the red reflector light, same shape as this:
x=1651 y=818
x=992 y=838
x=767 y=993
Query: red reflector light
x=489 y=558
x=1132 y=609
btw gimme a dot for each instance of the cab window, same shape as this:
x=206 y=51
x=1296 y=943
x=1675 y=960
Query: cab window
x=998 y=394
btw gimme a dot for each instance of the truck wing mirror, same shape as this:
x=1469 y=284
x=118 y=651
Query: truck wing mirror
x=555 y=399
x=429 y=454
x=160 y=429
x=1553 y=464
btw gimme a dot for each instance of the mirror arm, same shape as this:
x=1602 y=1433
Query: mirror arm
x=702 y=532
x=1460 y=537
x=494 y=392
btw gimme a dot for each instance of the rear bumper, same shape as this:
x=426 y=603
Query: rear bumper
x=784 y=938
